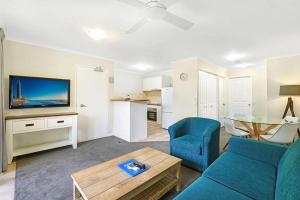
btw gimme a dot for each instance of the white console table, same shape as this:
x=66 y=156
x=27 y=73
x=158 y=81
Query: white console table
x=31 y=123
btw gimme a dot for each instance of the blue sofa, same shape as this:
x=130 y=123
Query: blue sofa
x=196 y=141
x=250 y=170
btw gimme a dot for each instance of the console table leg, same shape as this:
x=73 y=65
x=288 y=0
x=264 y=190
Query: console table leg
x=74 y=133
x=9 y=141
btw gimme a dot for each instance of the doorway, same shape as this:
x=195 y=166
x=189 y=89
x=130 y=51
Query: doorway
x=222 y=99
x=240 y=96
x=92 y=102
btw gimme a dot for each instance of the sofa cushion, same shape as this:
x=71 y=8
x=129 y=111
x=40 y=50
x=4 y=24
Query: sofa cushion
x=252 y=178
x=203 y=188
x=188 y=142
x=288 y=179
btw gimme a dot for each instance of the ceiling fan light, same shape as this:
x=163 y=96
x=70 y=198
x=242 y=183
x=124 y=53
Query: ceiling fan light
x=156 y=13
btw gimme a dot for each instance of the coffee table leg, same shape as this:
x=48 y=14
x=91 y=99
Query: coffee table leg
x=178 y=187
x=76 y=193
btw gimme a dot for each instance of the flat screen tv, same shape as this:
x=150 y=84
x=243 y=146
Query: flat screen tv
x=35 y=92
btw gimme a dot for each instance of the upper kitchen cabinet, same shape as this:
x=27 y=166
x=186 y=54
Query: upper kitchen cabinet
x=156 y=83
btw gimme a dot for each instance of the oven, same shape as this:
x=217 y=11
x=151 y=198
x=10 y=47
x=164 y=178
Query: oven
x=152 y=114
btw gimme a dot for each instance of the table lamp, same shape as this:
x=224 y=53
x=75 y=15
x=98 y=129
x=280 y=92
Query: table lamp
x=289 y=90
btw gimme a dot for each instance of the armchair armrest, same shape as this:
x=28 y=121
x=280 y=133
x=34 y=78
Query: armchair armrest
x=211 y=144
x=261 y=151
x=178 y=129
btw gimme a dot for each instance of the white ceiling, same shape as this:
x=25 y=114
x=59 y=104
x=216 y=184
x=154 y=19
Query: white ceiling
x=259 y=28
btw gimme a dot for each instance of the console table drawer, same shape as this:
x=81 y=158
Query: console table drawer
x=59 y=122
x=28 y=125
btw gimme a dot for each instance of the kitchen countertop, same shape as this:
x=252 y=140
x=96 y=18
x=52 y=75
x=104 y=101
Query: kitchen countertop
x=132 y=100
x=154 y=104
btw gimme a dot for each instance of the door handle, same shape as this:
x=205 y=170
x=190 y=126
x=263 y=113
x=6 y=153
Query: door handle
x=82 y=105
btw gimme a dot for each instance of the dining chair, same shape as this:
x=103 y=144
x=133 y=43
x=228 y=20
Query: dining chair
x=230 y=128
x=284 y=135
x=288 y=119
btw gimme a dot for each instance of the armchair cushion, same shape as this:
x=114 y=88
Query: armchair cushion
x=252 y=178
x=190 y=143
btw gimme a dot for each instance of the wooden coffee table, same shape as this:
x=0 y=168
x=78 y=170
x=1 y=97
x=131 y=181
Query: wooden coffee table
x=107 y=182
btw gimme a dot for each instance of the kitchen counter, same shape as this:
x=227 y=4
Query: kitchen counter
x=130 y=119
x=132 y=100
x=154 y=104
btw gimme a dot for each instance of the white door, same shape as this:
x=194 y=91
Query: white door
x=240 y=96
x=92 y=103
x=222 y=99
x=208 y=96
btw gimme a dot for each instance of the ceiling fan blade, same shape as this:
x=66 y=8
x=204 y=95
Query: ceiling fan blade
x=135 y=3
x=168 y=3
x=137 y=26
x=178 y=21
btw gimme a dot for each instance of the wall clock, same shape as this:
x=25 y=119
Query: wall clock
x=183 y=76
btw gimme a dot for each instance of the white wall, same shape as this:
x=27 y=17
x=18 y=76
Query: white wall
x=2 y=23
x=127 y=82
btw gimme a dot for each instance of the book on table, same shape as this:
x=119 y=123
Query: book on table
x=133 y=167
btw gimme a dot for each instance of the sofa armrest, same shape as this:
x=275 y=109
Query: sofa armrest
x=261 y=151
x=178 y=129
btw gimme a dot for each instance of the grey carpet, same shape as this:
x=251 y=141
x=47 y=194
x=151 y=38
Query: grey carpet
x=46 y=175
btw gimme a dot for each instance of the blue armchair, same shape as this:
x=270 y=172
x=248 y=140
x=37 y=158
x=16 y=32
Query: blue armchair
x=196 y=141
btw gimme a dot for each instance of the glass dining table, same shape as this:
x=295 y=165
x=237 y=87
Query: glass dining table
x=257 y=125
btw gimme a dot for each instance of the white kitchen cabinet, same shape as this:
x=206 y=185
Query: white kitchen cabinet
x=156 y=83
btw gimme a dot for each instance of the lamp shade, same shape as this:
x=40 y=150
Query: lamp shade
x=289 y=90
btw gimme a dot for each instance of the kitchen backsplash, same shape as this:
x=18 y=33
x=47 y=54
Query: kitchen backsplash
x=154 y=96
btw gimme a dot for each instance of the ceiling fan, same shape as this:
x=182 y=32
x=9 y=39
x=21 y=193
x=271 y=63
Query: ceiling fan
x=157 y=10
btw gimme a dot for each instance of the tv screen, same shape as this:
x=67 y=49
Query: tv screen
x=34 y=92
